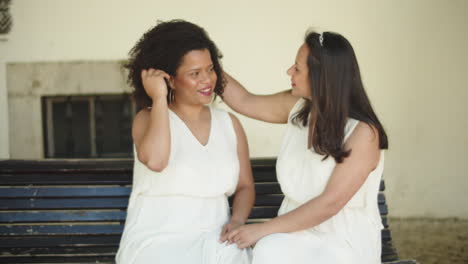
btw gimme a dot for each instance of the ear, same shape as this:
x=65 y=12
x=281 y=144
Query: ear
x=171 y=82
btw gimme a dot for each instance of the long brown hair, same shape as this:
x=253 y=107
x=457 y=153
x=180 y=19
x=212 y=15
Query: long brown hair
x=337 y=94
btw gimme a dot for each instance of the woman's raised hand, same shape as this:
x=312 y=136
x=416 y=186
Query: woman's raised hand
x=154 y=83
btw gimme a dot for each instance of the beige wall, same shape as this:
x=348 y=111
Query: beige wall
x=4 y=124
x=28 y=82
x=412 y=56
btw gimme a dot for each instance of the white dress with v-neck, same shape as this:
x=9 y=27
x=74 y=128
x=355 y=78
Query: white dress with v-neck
x=176 y=215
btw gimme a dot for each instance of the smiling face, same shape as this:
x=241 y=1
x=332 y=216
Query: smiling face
x=195 y=78
x=299 y=73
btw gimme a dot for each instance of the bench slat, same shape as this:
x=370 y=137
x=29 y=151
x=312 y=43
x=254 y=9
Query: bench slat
x=267 y=188
x=58 y=244
x=59 y=241
x=66 y=165
x=384 y=221
x=98 y=203
x=101 y=216
x=388 y=251
x=75 y=229
x=91 y=191
x=264 y=212
x=62 y=216
x=100 y=191
x=64 y=203
x=264 y=200
x=93 y=178
x=110 y=191
x=95 y=214
x=70 y=250
x=59 y=259
x=63 y=165
x=68 y=229
x=84 y=178
x=386 y=235
x=118 y=215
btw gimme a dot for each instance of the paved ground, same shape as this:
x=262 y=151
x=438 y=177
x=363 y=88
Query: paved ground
x=431 y=241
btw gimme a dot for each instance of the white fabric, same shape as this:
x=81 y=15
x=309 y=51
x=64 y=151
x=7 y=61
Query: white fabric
x=176 y=216
x=351 y=236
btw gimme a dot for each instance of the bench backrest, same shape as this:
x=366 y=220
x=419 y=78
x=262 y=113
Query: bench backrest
x=74 y=210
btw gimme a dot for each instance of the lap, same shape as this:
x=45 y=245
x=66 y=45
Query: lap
x=301 y=248
x=203 y=248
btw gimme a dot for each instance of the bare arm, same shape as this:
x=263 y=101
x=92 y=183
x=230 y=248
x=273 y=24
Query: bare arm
x=150 y=131
x=245 y=192
x=272 y=108
x=345 y=181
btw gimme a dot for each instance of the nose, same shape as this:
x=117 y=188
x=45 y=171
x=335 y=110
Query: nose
x=207 y=76
x=289 y=71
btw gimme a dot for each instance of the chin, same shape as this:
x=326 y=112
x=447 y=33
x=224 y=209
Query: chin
x=207 y=100
x=295 y=92
x=299 y=94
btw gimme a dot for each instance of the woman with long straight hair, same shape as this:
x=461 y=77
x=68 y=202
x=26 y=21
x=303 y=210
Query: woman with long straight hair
x=330 y=163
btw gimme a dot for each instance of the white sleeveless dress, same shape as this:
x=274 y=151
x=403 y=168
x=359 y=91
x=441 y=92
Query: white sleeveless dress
x=176 y=216
x=351 y=236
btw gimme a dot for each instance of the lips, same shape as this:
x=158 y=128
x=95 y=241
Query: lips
x=207 y=91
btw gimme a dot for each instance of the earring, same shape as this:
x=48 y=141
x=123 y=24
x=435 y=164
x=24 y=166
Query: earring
x=171 y=95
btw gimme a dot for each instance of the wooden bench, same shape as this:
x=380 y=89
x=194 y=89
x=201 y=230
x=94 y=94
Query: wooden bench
x=73 y=211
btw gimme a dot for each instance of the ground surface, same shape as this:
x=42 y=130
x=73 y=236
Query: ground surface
x=431 y=241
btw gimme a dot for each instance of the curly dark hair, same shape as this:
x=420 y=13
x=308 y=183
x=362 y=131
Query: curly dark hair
x=163 y=47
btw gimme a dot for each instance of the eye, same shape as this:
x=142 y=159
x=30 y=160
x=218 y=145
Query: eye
x=194 y=74
x=211 y=69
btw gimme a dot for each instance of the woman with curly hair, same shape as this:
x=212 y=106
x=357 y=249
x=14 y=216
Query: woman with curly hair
x=189 y=157
x=330 y=162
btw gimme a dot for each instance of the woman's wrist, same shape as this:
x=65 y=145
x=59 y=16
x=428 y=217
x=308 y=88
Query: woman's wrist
x=158 y=101
x=266 y=229
x=238 y=220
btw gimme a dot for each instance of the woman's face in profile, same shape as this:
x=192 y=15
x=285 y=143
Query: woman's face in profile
x=299 y=73
x=195 y=78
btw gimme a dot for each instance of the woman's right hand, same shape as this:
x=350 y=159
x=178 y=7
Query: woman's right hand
x=154 y=83
x=273 y=108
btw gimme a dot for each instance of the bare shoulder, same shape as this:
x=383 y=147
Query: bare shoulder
x=364 y=146
x=364 y=134
x=235 y=122
x=240 y=133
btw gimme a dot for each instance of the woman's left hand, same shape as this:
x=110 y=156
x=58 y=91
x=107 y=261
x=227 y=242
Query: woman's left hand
x=247 y=235
x=229 y=227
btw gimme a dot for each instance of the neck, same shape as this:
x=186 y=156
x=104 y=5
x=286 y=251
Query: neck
x=187 y=111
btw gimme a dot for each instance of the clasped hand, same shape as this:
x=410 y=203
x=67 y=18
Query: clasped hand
x=243 y=235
